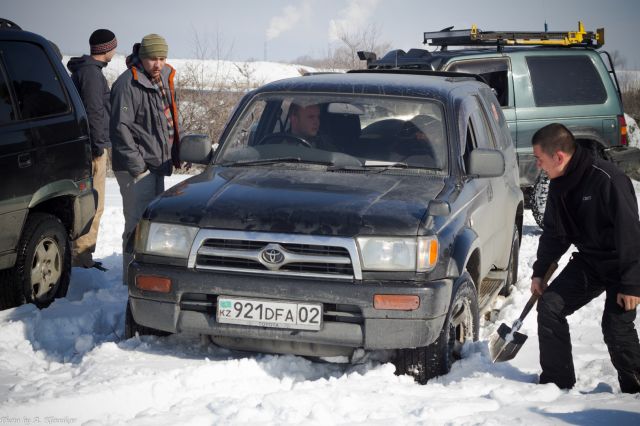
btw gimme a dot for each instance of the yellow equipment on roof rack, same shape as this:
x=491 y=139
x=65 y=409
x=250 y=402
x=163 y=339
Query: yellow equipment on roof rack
x=474 y=36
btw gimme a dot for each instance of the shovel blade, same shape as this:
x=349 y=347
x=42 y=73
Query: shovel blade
x=505 y=344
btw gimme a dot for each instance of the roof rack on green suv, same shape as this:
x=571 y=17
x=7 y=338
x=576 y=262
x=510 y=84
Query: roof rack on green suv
x=538 y=78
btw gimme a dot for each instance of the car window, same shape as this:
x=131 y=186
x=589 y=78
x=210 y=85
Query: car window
x=483 y=134
x=365 y=128
x=494 y=71
x=498 y=122
x=565 y=80
x=34 y=80
x=6 y=107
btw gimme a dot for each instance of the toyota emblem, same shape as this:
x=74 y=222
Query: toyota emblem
x=272 y=256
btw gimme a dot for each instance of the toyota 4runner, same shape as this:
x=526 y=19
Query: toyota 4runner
x=397 y=235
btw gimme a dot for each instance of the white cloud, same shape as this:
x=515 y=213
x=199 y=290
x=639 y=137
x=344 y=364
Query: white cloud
x=287 y=19
x=354 y=16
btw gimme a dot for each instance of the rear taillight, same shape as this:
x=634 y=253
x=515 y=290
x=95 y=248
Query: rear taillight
x=622 y=123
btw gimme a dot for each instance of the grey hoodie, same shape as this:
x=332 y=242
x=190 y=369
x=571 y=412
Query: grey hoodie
x=139 y=129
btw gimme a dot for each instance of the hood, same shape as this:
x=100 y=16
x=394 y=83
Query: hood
x=133 y=60
x=299 y=201
x=78 y=62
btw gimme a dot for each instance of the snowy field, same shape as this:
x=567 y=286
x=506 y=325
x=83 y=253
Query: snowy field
x=70 y=364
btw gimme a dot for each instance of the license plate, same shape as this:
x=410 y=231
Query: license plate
x=269 y=313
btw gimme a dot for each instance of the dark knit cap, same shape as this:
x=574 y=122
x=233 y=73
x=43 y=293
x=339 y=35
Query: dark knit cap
x=102 y=41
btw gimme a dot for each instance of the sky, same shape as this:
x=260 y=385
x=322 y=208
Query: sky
x=283 y=30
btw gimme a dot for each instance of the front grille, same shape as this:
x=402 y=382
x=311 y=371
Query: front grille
x=284 y=254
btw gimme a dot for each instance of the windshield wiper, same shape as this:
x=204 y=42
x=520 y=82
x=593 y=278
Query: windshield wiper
x=267 y=161
x=375 y=164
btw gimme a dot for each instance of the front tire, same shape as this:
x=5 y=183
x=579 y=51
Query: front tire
x=460 y=326
x=538 y=200
x=43 y=266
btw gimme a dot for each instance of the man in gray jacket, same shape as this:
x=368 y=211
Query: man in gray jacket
x=144 y=131
x=86 y=73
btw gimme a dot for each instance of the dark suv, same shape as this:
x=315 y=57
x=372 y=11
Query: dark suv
x=396 y=234
x=46 y=196
x=539 y=78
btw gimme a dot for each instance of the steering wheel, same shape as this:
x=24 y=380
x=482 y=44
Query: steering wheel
x=286 y=137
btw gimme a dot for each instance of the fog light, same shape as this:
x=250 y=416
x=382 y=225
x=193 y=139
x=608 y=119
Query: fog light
x=398 y=302
x=153 y=283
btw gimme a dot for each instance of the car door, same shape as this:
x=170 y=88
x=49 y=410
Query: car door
x=501 y=191
x=18 y=174
x=43 y=102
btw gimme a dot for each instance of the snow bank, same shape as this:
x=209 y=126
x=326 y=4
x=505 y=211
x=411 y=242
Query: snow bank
x=69 y=364
x=212 y=71
x=633 y=132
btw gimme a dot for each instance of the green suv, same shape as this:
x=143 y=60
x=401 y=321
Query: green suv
x=538 y=78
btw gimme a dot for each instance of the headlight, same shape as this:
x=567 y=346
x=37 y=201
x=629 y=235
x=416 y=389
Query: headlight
x=398 y=254
x=165 y=239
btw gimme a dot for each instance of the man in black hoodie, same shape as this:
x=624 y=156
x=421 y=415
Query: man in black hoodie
x=86 y=73
x=593 y=206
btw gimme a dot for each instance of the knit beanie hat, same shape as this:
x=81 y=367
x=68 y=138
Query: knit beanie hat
x=102 y=41
x=153 y=46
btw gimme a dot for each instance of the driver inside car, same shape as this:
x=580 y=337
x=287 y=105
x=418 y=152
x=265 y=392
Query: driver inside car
x=305 y=124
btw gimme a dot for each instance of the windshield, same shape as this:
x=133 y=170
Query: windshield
x=338 y=130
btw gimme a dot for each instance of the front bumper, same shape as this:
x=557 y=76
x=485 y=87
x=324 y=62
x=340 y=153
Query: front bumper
x=350 y=320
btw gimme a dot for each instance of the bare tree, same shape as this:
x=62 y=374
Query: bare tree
x=367 y=39
x=210 y=86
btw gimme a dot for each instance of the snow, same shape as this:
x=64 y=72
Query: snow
x=213 y=71
x=70 y=364
x=633 y=132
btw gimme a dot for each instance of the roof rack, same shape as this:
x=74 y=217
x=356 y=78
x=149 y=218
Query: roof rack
x=447 y=74
x=7 y=24
x=475 y=37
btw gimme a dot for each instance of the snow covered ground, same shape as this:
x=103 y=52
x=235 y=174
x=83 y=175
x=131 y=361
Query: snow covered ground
x=70 y=364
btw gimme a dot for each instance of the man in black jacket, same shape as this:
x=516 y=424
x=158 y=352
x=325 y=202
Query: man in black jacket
x=593 y=206
x=86 y=73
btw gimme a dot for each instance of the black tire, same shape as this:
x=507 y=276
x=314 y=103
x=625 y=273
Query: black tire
x=538 y=200
x=43 y=265
x=131 y=327
x=461 y=325
x=514 y=258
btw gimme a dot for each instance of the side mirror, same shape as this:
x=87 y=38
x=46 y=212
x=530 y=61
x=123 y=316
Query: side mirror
x=196 y=149
x=486 y=163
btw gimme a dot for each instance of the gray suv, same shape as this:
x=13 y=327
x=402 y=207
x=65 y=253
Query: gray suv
x=539 y=78
x=393 y=228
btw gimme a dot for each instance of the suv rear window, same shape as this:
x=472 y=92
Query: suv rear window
x=34 y=80
x=565 y=80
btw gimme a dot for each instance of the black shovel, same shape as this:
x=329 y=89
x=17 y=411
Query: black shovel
x=505 y=343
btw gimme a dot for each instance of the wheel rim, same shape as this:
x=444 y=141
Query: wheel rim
x=46 y=269
x=461 y=327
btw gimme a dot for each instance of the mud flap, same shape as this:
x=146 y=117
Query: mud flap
x=627 y=158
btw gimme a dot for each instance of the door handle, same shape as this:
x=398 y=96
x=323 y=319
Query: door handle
x=24 y=161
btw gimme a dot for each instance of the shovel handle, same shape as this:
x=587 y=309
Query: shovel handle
x=534 y=297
